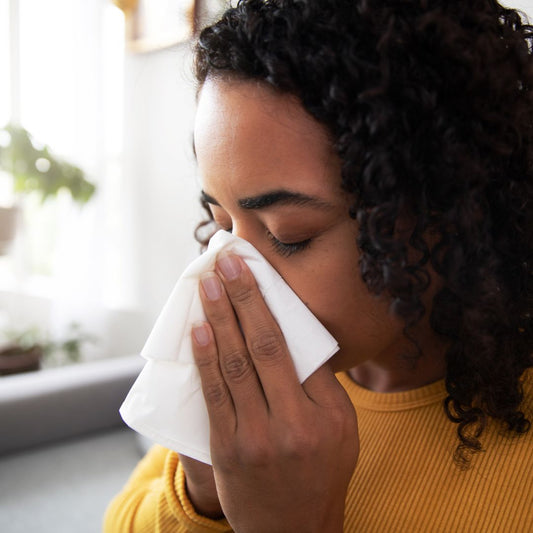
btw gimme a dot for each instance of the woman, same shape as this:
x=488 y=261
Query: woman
x=379 y=155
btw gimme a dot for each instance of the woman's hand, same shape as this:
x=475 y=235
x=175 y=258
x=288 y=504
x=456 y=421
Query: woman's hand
x=283 y=453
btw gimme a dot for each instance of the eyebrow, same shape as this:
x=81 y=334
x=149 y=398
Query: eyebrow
x=277 y=197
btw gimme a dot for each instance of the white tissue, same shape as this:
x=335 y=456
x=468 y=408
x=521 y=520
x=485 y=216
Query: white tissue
x=166 y=403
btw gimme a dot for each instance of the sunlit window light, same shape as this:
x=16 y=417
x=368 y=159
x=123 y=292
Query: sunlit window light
x=70 y=99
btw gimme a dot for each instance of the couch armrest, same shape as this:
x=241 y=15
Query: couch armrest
x=57 y=403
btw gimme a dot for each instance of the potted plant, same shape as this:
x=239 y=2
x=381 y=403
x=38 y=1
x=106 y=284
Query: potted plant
x=21 y=351
x=26 y=350
x=35 y=169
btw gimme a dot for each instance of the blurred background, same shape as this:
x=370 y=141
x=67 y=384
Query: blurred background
x=98 y=206
x=110 y=92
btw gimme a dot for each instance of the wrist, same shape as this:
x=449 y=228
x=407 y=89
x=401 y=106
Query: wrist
x=203 y=502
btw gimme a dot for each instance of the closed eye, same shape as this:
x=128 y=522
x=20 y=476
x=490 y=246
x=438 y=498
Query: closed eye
x=286 y=249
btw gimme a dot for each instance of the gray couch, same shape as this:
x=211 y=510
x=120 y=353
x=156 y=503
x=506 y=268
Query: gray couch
x=64 y=450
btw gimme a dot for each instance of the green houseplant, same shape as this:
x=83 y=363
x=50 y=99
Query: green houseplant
x=35 y=169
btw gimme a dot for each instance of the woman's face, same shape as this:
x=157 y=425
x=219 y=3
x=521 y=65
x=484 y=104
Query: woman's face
x=270 y=175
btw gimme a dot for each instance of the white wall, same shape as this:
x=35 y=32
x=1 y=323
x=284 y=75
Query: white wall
x=523 y=5
x=160 y=169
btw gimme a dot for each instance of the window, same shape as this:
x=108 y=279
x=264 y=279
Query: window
x=62 y=79
x=65 y=87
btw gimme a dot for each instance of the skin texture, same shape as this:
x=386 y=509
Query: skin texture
x=272 y=436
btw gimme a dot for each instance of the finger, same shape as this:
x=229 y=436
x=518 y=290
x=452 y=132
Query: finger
x=323 y=387
x=264 y=340
x=216 y=394
x=234 y=361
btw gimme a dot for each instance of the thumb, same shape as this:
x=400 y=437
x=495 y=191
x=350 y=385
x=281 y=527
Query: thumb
x=323 y=387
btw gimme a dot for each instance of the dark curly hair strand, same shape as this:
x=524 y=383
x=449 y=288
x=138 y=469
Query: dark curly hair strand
x=430 y=107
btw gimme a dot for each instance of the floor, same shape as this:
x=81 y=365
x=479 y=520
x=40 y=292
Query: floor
x=65 y=488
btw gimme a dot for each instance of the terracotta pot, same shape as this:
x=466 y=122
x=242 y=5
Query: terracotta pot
x=8 y=227
x=14 y=359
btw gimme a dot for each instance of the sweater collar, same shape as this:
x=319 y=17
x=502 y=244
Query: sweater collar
x=393 y=401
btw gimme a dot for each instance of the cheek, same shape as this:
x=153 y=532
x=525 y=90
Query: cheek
x=358 y=319
x=329 y=284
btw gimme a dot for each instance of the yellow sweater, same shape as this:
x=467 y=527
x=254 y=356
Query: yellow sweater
x=405 y=480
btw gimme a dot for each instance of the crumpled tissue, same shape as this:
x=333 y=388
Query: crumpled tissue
x=166 y=403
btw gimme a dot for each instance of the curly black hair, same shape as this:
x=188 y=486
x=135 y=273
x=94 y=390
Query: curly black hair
x=430 y=106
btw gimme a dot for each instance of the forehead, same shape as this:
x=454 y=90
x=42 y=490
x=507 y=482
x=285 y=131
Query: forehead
x=250 y=138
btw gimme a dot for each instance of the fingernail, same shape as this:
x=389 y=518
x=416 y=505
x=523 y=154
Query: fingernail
x=229 y=265
x=211 y=286
x=200 y=333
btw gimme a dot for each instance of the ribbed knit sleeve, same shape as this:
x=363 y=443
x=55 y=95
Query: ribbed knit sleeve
x=155 y=500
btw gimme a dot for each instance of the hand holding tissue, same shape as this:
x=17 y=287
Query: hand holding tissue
x=166 y=402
